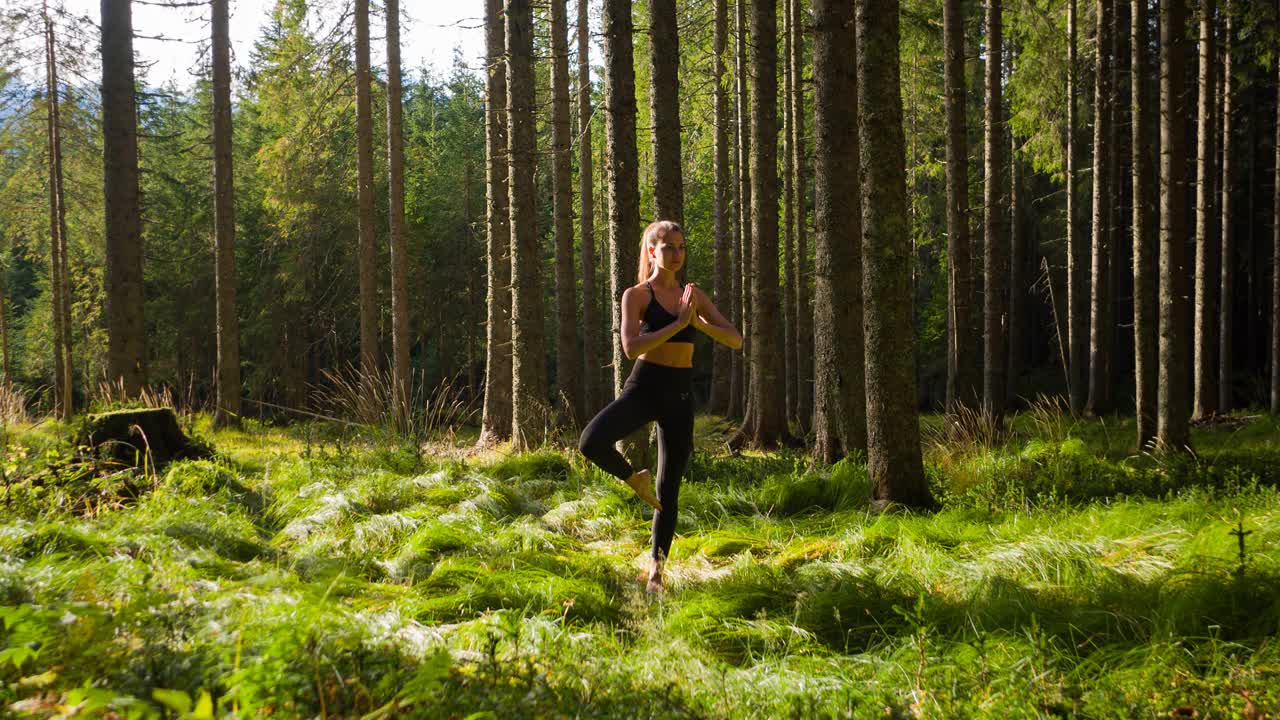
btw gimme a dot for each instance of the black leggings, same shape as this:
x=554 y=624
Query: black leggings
x=652 y=392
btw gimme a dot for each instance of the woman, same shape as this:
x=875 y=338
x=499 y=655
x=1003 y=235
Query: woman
x=661 y=382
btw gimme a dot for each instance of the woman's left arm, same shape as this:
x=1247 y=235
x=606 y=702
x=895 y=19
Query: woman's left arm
x=709 y=320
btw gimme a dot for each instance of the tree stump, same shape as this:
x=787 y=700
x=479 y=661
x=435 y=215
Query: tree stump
x=138 y=436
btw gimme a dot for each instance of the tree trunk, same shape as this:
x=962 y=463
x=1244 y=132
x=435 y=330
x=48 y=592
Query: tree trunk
x=528 y=365
x=1226 y=306
x=592 y=397
x=789 y=171
x=224 y=225
x=744 y=215
x=401 y=372
x=893 y=434
x=995 y=244
x=961 y=350
x=567 y=373
x=804 y=310
x=1077 y=246
x=1275 y=271
x=495 y=424
x=623 y=168
x=721 y=369
x=840 y=421
x=367 y=256
x=1100 y=305
x=769 y=393
x=57 y=230
x=1205 y=394
x=664 y=104
x=126 y=328
x=1017 y=276
x=1174 y=404
x=1145 y=252
x=4 y=328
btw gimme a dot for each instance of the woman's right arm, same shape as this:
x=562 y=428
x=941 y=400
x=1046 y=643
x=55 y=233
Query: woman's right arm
x=634 y=343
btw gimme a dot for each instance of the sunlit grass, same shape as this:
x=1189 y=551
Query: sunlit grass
x=314 y=570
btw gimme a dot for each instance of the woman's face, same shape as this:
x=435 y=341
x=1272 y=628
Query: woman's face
x=668 y=252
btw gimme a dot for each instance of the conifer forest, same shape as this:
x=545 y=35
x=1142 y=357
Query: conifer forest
x=314 y=353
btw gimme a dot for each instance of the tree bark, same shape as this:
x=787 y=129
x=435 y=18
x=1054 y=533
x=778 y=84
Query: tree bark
x=568 y=376
x=893 y=434
x=840 y=421
x=1174 y=402
x=528 y=364
x=495 y=424
x=1227 y=265
x=623 y=169
x=769 y=393
x=1275 y=271
x=995 y=243
x=664 y=63
x=1077 y=246
x=224 y=225
x=58 y=285
x=1145 y=251
x=1205 y=393
x=401 y=372
x=721 y=369
x=1017 y=275
x=961 y=348
x=126 y=328
x=789 y=171
x=804 y=309
x=592 y=397
x=367 y=256
x=1100 y=301
x=744 y=216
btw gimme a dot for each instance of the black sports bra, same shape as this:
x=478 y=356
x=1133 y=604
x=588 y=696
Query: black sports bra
x=656 y=317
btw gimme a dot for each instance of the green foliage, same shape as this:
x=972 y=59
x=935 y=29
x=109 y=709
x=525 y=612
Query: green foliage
x=1056 y=579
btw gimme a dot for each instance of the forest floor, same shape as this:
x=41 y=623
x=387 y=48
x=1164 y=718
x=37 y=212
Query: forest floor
x=317 y=571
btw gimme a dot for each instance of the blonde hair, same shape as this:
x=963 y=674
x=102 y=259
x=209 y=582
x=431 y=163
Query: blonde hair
x=657 y=230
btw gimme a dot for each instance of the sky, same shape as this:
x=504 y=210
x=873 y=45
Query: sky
x=431 y=30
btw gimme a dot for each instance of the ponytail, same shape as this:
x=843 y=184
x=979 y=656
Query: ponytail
x=656 y=230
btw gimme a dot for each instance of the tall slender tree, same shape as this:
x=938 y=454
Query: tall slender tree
x=1017 y=274
x=768 y=424
x=804 y=309
x=126 y=329
x=495 y=424
x=722 y=284
x=789 y=171
x=995 y=242
x=568 y=380
x=58 y=284
x=528 y=365
x=1205 y=393
x=592 y=397
x=840 y=421
x=1145 y=250
x=1174 y=403
x=893 y=433
x=224 y=224
x=400 y=371
x=1275 y=272
x=622 y=166
x=1100 y=300
x=744 y=210
x=664 y=104
x=367 y=254
x=1227 y=264
x=961 y=348
x=1077 y=246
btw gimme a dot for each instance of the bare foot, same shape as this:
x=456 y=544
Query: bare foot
x=655 y=584
x=642 y=483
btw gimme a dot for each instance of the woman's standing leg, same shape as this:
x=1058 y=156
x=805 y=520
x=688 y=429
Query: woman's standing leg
x=675 y=446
